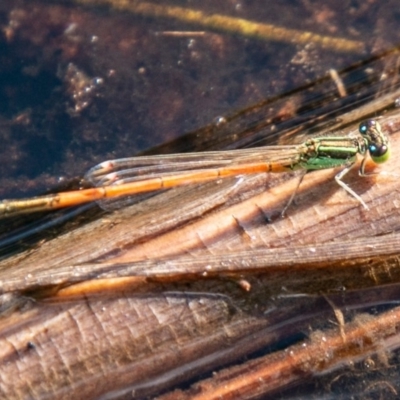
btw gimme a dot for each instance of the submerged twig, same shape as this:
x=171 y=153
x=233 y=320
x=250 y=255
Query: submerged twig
x=228 y=24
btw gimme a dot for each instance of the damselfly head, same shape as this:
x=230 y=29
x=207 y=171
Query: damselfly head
x=376 y=140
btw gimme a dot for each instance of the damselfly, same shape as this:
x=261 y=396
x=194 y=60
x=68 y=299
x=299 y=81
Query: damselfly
x=132 y=176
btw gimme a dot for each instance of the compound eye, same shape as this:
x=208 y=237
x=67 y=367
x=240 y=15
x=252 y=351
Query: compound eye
x=365 y=126
x=378 y=151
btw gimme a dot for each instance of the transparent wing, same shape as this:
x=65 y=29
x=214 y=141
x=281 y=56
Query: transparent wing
x=195 y=166
x=145 y=167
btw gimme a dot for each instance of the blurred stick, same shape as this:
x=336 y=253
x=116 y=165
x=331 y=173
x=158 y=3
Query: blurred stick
x=233 y=25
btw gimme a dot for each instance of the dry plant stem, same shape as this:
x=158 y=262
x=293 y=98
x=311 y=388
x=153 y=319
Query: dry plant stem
x=323 y=353
x=358 y=263
x=364 y=253
x=81 y=350
x=233 y=25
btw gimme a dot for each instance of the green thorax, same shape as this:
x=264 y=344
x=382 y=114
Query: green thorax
x=331 y=151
